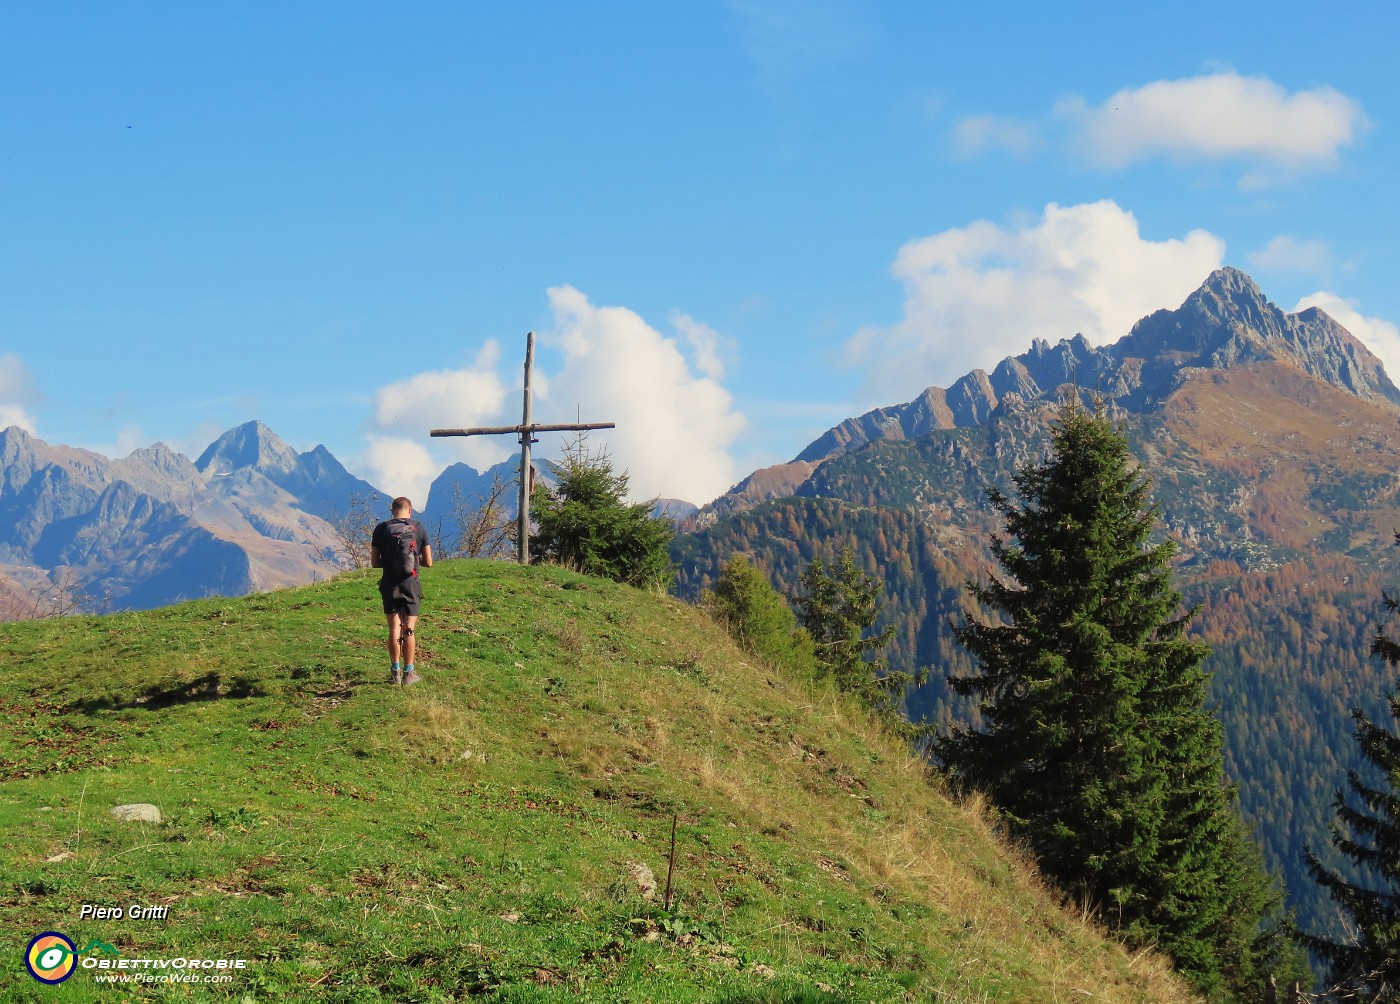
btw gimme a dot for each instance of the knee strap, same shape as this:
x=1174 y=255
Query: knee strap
x=408 y=632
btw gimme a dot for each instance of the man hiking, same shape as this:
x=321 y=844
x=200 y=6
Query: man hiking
x=400 y=546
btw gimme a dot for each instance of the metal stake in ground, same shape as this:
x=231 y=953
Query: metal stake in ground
x=526 y=431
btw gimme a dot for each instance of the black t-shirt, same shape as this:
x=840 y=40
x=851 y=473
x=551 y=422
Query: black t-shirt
x=381 y=542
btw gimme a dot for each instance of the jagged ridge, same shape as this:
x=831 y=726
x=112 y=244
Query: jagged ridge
x=1226 y=322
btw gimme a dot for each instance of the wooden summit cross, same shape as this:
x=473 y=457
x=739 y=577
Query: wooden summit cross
x=526 y=431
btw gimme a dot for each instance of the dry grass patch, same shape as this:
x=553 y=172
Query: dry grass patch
x=441 y=732
x=869 y=815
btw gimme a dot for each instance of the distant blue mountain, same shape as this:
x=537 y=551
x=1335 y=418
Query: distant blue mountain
x=319 y=482
x=472 y=486
x=154 y=528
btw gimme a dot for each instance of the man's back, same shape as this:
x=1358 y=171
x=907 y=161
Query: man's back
x=400 y=542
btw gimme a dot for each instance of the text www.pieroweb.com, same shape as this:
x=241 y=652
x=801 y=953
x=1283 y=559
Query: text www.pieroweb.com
x=201 y=978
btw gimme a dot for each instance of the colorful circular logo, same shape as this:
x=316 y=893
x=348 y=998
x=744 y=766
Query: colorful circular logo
x=51 y=957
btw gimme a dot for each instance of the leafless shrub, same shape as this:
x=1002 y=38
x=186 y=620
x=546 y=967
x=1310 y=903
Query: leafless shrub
x=60 y=596
x=353 y=531
x=484 y=527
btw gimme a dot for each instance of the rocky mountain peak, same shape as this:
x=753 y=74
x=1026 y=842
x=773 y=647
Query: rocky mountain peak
x=1228 y=282
x=15 y=442
x=17 y=460
x=160 y=457
x=1226 y=322
x=249 y=445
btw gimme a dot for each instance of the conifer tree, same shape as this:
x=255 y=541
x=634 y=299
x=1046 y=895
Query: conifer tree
x=584 y=522
x=1365 y=963
x=837 y=610
x=757 y=617
x=1097 y=746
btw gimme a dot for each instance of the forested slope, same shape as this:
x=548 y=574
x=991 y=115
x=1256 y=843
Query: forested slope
x=1281 y=495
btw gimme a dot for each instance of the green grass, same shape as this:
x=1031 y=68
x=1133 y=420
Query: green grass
x=477 y=836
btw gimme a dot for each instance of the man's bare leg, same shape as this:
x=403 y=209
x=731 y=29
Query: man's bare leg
x=407 y=623
x=395 y=644
x=410 y=647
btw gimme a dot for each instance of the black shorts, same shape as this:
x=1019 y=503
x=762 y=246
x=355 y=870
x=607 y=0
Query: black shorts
x=401 y=597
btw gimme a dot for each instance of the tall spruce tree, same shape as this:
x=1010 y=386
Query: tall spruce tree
x=837 y=609
x=1365 y=963
x=1097 y=746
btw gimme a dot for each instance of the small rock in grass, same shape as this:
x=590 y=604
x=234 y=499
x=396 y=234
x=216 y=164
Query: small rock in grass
x=137 y=812
x=643 y=879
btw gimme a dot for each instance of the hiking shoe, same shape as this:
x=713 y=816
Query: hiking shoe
x=411 y=677
x=395 y=677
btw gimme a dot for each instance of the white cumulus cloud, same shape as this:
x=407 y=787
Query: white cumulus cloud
x=675 y=422
x=675 y=427
x=1380 y=336
x=976 y=294
x=1219 y=115
x=18 y=394
x=400 y=466
x=707 y=345
x=406 y=410
x=11 y=414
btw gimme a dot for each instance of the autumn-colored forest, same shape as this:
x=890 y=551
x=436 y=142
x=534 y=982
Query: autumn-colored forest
x=1286 y=578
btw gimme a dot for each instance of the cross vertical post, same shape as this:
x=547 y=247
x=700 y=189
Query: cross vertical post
x=526 y=430
x=523 y=512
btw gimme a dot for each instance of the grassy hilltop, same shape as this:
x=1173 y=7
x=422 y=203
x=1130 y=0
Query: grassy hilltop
x=481 y=835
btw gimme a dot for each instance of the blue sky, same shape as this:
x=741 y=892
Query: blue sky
x=732 y=224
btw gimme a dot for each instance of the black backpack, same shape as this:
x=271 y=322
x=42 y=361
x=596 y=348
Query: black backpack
x=400 y=558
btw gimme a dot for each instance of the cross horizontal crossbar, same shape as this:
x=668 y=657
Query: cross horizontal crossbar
x=500 y=430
